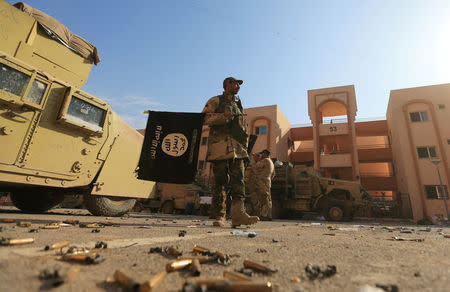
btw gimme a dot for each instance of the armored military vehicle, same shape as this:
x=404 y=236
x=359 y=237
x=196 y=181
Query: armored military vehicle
x=303 y=189
x=56 y=139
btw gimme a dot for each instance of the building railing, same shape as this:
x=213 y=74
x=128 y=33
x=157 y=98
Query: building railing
x=373 y=146
x=335 y=121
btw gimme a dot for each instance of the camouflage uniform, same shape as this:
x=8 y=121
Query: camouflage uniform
x=225 y=152
x=265 y=172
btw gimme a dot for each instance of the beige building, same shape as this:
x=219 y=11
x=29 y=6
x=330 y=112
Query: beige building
x=418 y=120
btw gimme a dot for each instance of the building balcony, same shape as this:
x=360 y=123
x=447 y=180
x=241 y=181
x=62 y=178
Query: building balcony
x=375 y=155
x=379 y=183
x=336 y=160
x=301 y=157
x=301 y=134
x=372 y=128
x=333 y=129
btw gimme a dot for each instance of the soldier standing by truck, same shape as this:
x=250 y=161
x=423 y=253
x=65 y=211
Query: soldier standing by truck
x=265 y=172
x=226 y=151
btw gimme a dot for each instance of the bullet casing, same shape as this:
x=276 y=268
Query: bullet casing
x=178 y=265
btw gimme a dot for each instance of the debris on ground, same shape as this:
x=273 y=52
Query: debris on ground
x=172 y=251
x=275 y=240
x=258 y=267
x=237 y=276
x=157 y=249
x=125 y=281
x=95 y=231
x=153 y=283
x=57 y=245
x=261 y=250
x=330 y=234
x=196 y=268
x=51 y=279
x=316 y=272
x=182 y=233
x=446 y=235
x=71 y=222
x=33 y=230
x=9 y=241
x=250 y=234
x=82 y=255
x=219 y=284
x=396 y=238
x=91 y=225
x=54 y=225
x=316 y=224
x=7 y=220
x=388 y=287
x=217 y=256
x=101 y=244
x=24 y=224
x=296 y=280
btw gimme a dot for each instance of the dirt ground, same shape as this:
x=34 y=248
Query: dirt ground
x=365 y=253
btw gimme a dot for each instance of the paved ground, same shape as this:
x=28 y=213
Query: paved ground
x=361 y=251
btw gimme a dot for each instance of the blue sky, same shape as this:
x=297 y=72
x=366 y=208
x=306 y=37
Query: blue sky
x=172 y=55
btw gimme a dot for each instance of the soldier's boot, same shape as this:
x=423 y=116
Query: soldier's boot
x=239 y=216
x=220 y=221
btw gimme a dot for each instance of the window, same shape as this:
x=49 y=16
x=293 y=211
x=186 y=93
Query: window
x=426 y=152
x=201 y=164
x=448 y=141
x=84 y=113
x=36 y=92
x=204 y=140
x=261 y=130
x=441 y=106
x=13 y=81
x=418 y=116
x=435 y=191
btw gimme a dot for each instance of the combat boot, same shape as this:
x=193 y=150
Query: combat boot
x=239 y=216
x=219 y=222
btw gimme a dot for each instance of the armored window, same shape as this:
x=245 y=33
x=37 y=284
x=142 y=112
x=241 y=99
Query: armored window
x=418 y=116
x=84 y=113
x=36 y=92
x=12 y=80
x=261 y=130
x=436 y=192
x=426 y=152
x=204 y=140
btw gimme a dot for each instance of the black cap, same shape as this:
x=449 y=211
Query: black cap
x=231 y=79
x=265 y=151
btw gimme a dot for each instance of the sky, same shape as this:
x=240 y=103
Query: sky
x=172 y=55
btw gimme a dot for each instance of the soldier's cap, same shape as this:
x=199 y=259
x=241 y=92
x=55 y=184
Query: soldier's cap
x=228 y=79
x=265 y=151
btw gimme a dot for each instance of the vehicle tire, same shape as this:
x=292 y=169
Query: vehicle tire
x=168 y=207
x=36 y=200
x=337 y=211
x=108 y=206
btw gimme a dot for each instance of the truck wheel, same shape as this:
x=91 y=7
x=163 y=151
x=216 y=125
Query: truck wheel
x=337 y=211
x=35 y=200
x=108 y=206
x=168 y=207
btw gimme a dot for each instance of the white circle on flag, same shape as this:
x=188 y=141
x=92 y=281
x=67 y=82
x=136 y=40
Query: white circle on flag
x=175 y=144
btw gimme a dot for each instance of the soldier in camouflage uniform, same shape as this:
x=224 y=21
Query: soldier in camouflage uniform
x=265 y=172
x=226 y=151
x=250 y=179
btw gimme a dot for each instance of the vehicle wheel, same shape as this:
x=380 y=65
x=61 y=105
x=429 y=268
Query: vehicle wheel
x=36 y=200
x=337 y=211
x=108 y=206
x=168 y=207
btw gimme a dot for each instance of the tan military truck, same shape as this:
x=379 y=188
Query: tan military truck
x=55 y=139
x=302 y=189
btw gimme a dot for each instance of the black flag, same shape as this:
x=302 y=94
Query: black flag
x=170 y=150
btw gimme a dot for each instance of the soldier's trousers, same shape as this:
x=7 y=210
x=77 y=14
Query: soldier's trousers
x=264 y=198
x=228 y=174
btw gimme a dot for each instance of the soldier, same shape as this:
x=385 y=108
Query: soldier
x=227 y=149
x=265 y=172
x=250 y=178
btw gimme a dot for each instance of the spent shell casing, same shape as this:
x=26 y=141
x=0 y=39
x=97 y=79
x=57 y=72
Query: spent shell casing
x=125 y=281
x=201 y=249
x=7 y=220
x=178 y=265
x=236 y=276
x=8 y=241
x=258 y=267
x=201 y=259
x=24 y=224
x=51 y=226
x=59 y=245
x=196 y=268
x=229 y=285
x=153 y=284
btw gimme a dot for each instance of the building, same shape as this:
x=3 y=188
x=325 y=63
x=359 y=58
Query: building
x=418 y=120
